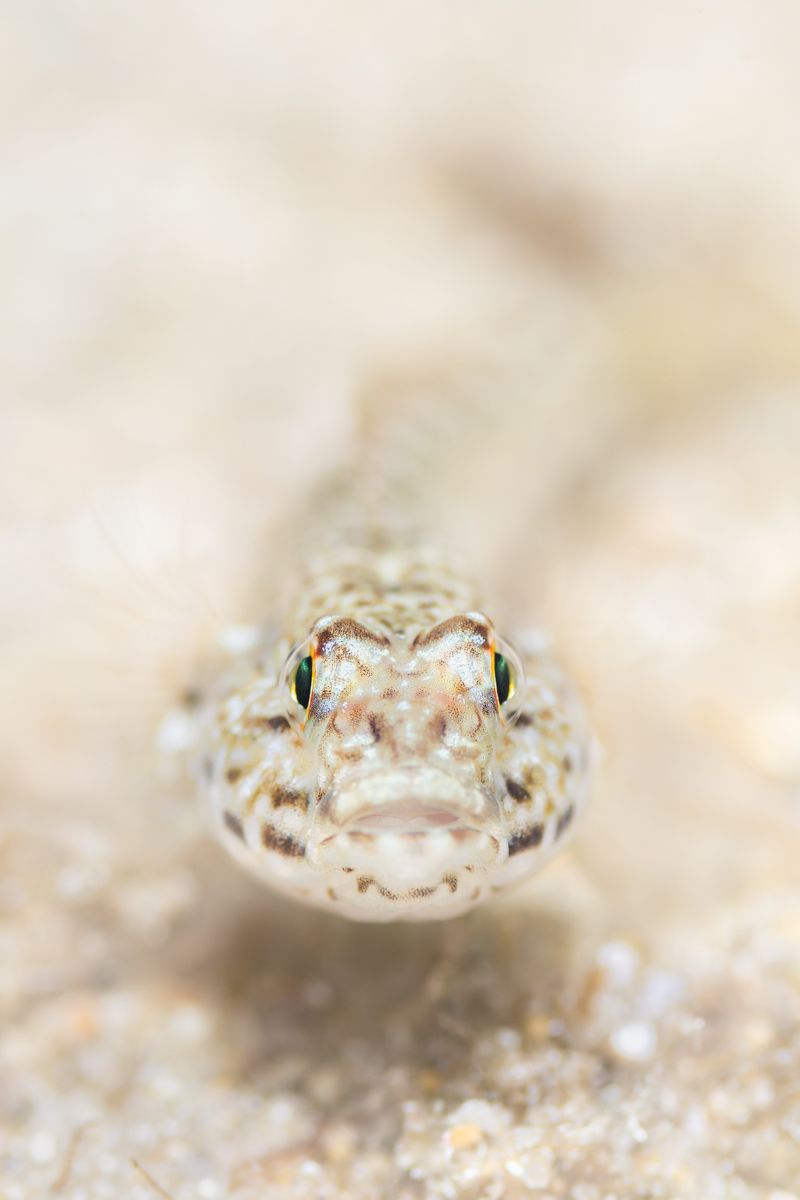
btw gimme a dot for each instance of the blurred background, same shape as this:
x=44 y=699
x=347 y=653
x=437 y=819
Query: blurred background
x=219 y=227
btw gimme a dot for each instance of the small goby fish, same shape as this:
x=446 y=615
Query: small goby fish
x=384 y=751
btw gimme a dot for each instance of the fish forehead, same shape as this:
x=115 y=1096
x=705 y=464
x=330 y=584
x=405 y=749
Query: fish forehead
x=447 y=662
x=463 y=634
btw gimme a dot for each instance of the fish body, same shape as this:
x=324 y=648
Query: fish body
x=382 y=750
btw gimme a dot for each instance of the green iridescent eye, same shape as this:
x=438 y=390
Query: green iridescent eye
x=503 y=678
x=303 y=678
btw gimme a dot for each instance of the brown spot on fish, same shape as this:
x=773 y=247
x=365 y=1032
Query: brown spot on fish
x=535 y=776
x=421 y=893
x=233 y=823
x=364 y=883
x=278 y=724
x=375 y=726
x=285 y=797
x=343 y=630
x=233 y=774
x=451 y=881
x=564 y=821
x=474 y=630
x=525 y=840
x=516 y=790
x=281 y=843
x=258 y=723
x=439 y=726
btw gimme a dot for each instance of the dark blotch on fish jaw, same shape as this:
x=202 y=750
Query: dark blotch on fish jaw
x=516 y=790
x=525 y=840
x=281 y=843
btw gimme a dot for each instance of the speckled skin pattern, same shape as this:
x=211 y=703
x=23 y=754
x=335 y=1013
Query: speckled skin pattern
x=405 y=790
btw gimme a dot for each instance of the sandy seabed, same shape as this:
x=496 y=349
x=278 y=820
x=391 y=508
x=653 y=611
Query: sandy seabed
x=217 y=229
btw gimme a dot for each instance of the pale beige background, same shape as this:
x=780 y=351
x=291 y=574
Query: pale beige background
x=217 y=225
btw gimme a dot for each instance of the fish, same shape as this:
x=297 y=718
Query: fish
x=381 y=747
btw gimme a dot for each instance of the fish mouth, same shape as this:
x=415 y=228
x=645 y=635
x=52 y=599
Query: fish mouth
x=410 y=817
x=407 y=827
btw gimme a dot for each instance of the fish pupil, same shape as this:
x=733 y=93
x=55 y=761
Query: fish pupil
x=502 y=678
x=302 y=681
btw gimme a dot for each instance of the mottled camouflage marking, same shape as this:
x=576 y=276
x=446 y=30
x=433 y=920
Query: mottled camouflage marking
x=404 y=778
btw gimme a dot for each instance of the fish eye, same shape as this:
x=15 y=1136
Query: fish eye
x=504 y=678
x=303 y=681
